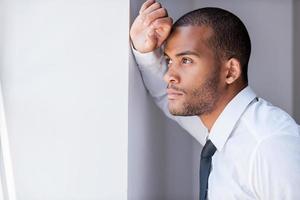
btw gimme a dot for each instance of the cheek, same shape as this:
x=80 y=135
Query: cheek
x=223 y=77
x=193 y=78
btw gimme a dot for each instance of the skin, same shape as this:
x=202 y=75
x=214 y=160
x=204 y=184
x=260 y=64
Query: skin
x=151 y=27
x=193 y=72
x=197 y=78
x=199 y=82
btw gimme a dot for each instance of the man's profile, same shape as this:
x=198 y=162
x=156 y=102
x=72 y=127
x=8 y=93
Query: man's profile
x=251 y=148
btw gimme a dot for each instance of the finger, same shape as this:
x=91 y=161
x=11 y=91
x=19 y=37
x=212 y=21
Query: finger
x=159 y=13
x=162 y=22
x=151 y=8
x=152 y=36
x=146 y=5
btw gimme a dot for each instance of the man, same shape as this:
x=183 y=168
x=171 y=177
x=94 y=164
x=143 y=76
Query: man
x=252 y=149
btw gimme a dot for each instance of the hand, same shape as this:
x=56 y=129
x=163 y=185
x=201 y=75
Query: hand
x=151 y=27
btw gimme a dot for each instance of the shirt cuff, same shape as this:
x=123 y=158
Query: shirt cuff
x=146 y=60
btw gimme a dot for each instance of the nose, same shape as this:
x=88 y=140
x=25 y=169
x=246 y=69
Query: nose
x=171 y=76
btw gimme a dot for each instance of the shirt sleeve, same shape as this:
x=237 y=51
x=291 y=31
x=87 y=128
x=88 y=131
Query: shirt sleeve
x=276 y=168
x=153 y=66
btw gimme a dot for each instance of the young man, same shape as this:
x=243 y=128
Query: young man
x=252 y=149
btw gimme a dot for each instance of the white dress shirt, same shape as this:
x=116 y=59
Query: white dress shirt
x=258 y=144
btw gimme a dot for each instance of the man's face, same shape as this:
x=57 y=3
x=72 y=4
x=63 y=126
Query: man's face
x=193 y=74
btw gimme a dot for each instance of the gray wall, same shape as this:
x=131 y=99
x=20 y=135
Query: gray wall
x=154 y=163
x=270 y=25
x=160 y=162
x=296 y=42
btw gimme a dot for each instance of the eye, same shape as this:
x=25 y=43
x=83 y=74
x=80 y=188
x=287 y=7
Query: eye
x=185 y=60
x=168 y=60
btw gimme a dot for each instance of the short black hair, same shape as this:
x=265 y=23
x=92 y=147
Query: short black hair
x=230 y=38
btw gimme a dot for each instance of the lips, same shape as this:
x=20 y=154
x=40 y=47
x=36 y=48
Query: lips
x=173 y=94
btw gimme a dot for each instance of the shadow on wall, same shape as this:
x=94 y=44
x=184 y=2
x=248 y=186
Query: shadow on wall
x=296 y=51
x=160 y=154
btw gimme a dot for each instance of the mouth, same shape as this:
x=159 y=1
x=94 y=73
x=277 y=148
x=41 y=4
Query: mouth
x=173 y=94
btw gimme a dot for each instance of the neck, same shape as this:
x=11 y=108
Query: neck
x=210 y=118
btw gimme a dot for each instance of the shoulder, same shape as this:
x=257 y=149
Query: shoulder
x=265 y=120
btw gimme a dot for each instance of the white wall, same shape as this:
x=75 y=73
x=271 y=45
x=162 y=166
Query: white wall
x=65 y=77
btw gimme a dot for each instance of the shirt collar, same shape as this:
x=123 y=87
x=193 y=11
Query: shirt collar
x=227 y=120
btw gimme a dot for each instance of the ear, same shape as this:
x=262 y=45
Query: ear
x=233 y=70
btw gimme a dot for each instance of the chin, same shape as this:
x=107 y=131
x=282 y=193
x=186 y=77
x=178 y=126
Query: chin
x=181 y=109
x=176 y=108
x=176 y=111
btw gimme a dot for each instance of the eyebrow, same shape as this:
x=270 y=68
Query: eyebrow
x=184 y=53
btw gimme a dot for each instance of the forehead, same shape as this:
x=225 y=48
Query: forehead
x=189 y=38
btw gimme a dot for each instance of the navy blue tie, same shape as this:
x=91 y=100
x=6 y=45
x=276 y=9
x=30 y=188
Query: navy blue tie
x=205 y=166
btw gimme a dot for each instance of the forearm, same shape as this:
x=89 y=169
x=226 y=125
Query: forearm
x=152 y=67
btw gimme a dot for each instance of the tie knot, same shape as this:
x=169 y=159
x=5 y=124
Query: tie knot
x=208 y=150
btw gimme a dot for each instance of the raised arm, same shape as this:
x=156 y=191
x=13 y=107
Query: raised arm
x=148 y=32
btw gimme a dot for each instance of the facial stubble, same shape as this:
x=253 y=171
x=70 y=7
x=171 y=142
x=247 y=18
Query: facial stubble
x=201 y=100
